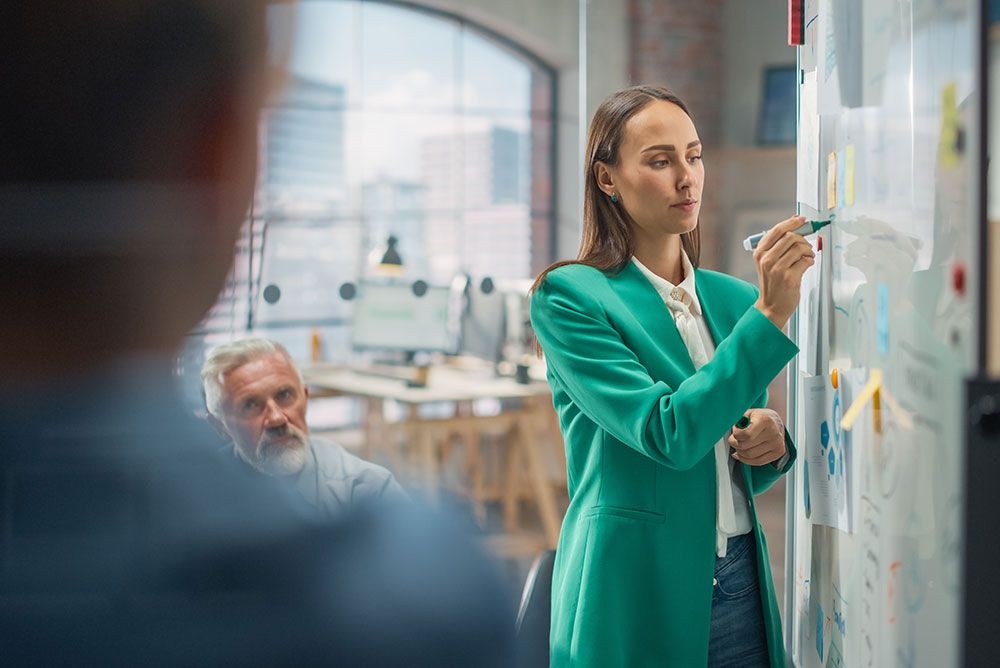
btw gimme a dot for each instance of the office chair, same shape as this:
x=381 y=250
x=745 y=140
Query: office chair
x=532 y=624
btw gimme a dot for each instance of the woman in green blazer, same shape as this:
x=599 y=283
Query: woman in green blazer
x=652 y=361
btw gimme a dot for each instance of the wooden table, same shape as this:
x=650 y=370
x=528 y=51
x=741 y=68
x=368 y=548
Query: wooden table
x=427 y=437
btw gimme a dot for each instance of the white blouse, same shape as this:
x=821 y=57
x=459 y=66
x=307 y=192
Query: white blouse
x=732 y=507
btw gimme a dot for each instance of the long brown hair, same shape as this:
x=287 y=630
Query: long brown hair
x=607 y=242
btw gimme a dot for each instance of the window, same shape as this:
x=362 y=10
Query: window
x=777 y=121
x=394 y=121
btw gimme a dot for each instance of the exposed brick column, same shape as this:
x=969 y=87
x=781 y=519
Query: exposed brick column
x=678 y=43
x=541 y=194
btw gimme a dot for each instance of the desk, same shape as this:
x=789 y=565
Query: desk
x=427 y=437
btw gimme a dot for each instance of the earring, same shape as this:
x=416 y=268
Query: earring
x=614 y=198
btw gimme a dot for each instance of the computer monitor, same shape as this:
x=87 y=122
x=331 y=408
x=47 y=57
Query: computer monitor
x=393 y=316
x=518 y=333
x=495 y=321
x=484 y=321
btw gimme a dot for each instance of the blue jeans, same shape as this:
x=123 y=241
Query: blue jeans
x=738 y=636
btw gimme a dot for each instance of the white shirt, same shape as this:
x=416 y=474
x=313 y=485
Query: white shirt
x=732 y=507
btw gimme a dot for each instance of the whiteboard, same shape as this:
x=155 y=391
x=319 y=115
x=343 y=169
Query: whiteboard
x=887 y=130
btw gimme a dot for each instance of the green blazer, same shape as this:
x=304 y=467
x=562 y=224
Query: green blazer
x=632 y=581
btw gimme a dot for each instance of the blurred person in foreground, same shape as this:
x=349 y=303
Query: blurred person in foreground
x=127 y=159
x=255 y=396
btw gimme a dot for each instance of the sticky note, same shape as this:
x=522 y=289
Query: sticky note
x=866 y=394
x=831 y=180
x=882 y=319
x=948 y=146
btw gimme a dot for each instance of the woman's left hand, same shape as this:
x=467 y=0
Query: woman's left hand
x=762 y=441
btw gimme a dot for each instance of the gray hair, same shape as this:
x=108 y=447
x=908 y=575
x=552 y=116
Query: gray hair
x=231 y=356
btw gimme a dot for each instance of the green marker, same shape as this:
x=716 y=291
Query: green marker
x=808 y=227
x=743 y=422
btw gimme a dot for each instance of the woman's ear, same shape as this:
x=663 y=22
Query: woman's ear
x=605 y=181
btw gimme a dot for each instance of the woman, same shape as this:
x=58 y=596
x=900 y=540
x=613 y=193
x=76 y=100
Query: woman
x=651 y=362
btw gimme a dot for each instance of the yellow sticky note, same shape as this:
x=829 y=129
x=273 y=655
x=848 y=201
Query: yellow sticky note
x=849 y=175
x=948 y=146
x=866 y=394
x=831 y=180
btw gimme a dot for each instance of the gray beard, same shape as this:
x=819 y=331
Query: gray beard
x=283 y=460
x=287 y=461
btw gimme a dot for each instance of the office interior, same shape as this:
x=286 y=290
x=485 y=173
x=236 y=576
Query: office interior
x=421 y=165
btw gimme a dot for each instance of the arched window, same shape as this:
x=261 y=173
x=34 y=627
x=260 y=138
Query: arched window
x=395 y=121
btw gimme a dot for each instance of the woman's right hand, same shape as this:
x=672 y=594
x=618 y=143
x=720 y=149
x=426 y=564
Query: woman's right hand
x=782 y=256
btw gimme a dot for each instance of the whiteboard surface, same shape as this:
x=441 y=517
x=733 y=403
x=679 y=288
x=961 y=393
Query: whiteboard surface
x=893 y=101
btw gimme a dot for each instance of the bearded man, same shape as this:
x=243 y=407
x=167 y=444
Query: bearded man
x=255 y=396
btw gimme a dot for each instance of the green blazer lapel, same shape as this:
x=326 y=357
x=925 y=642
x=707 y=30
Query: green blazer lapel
x=642 y=299
x=721 y=313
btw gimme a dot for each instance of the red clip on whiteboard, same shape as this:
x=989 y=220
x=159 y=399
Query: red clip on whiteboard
x=796 y=27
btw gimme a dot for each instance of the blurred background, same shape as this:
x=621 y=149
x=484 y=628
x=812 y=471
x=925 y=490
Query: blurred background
x=422 y=164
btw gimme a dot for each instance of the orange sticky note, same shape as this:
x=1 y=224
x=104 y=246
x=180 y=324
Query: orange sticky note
x=877 y=412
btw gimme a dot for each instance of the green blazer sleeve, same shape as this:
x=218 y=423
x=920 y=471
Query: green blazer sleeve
x=762 y=477
x=583 y=326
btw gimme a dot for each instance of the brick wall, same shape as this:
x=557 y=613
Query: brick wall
x=678 y=43
x=541 y=193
